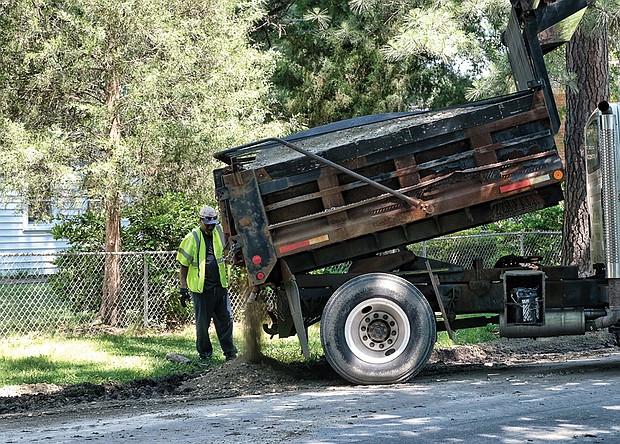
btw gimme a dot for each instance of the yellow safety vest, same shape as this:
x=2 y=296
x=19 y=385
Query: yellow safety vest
x=193 y=254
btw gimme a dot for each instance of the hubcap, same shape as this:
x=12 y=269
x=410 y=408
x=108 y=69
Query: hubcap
x=377 y=330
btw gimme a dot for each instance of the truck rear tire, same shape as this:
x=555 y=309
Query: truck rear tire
x=377 y=328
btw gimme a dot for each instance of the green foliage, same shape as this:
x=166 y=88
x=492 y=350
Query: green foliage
x=155 y=223
x=614 y=74
x=158 y=223
x=128 y=100
x=464 y=250
x=83 y=232
x=547 y=219
x=345 y=58
x=498 y=79
x=85 y=269
x=509 y=236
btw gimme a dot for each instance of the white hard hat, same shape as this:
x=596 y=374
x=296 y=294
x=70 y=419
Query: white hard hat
x=208 y=215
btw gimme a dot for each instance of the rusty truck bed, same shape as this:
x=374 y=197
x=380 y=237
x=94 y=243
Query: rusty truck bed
x=444 y=170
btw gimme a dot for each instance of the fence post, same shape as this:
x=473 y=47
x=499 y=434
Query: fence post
x=145 y=321
x=521 y=247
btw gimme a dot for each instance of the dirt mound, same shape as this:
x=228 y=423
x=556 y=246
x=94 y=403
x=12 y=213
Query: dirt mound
x=264 y=375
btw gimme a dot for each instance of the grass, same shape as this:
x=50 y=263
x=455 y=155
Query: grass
x=96 y=359
x=124 y=357
x=467 y=336
x=120 y=357
x=289 y=350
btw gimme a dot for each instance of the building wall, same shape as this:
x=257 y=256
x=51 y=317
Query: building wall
x=21 y=241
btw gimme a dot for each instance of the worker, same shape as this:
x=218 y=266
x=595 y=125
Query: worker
x=203 y=275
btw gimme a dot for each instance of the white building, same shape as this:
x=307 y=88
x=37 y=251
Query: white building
x=26 y=245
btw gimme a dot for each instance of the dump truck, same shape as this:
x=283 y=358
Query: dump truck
x=361 y=191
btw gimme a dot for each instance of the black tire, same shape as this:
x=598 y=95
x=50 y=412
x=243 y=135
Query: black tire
x=377 y=328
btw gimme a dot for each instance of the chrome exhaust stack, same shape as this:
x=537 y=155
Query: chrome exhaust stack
x=603 y=185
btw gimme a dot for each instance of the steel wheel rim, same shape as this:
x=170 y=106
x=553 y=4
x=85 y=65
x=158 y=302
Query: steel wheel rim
x=377 y=331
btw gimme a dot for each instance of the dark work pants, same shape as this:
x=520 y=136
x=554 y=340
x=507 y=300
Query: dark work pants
x=213 y=304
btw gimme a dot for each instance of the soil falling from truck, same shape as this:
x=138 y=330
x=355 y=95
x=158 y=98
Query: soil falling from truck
x=252 y=329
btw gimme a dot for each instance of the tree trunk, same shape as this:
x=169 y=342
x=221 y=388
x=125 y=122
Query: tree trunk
x=587 y=58
x=109 y=310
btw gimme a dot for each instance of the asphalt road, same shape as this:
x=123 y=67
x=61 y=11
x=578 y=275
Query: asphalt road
x=576 y=402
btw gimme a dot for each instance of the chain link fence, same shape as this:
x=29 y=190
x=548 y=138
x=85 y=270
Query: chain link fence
x=62 y=292
x=463 y=250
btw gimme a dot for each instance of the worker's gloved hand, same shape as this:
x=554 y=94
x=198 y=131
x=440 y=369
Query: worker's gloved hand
x=185 y=297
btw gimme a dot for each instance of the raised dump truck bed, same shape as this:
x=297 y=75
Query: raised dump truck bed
x=355 y=188
x=362 y=190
